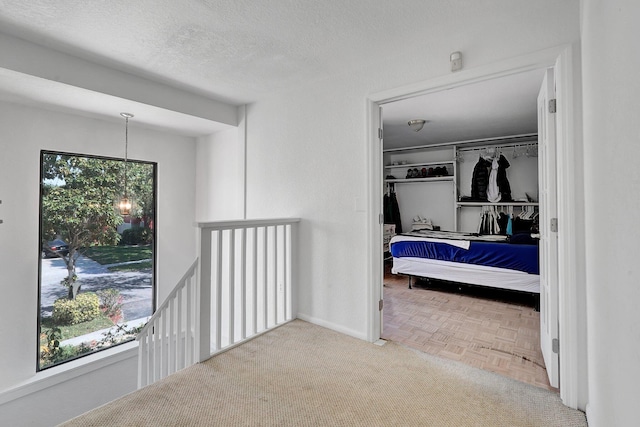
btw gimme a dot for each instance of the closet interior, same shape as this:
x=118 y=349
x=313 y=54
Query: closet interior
x=431 y=187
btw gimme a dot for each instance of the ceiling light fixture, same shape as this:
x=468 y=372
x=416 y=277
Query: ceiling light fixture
x=417 y=124
x=125 y=203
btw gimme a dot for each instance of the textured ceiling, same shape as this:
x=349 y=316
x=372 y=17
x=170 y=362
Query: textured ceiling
x=234 y=51
x=239 y=51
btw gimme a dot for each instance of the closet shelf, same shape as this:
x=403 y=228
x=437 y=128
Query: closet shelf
x=427 y=179
x=423 y=164
x=497 y=204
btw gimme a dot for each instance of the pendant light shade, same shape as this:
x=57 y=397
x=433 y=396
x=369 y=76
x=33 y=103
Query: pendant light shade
x=125 y=206
x=125 y=203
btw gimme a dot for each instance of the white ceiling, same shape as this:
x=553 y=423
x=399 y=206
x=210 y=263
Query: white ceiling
x=239 y=51
x=492 y=108
x=232 y=50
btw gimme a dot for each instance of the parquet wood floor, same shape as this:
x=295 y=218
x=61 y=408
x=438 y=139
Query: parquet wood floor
x=498 y=335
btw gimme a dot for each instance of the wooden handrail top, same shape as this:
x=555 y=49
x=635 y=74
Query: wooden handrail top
x=246 y=223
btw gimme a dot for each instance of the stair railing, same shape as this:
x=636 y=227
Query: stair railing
x=244 y=286
x=247 y=273
x=168 y=342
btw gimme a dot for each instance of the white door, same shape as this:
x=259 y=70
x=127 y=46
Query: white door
x=381 y=219
x=548 y=232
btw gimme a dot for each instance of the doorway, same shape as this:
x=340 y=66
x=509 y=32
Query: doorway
x=564 y=59
x=491 y=328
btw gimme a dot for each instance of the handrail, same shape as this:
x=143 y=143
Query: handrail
x=242 y=284
x=168 y=342
x=169 y=298
x=246 y=223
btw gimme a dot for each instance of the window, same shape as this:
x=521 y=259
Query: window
x=96 y=281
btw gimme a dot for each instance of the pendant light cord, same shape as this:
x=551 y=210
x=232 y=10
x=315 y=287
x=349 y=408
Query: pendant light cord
x=125 y=204
x=126 y=150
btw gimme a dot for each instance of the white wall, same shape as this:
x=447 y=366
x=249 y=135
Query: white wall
x=307 y=149
x=25 y=131
x=48 y=406
x=611 y=88
x=220 y=176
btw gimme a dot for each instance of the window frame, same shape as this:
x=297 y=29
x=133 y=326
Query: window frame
x=154 y=290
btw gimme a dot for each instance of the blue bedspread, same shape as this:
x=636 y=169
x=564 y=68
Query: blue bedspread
x=502 y=255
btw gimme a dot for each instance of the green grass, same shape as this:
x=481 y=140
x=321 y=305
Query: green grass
x=72 y=331
x=132 y=267
x=115 y=254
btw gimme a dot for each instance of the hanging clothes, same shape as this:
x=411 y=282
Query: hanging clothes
x=526 y=221
x=490 y=221
x=392 y=211
x=480 y=180
x=503 y=183
x=503 y=222
x=493 y=192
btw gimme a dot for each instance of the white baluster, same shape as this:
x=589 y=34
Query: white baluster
x=255 y=280
x=243 y=283
x=232 y=286
x=274 y=273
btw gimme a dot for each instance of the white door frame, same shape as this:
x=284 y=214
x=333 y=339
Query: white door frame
x=571 y=305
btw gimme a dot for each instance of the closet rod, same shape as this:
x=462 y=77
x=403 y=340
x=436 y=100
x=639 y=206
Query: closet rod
x=498 y=140
x=511 y=145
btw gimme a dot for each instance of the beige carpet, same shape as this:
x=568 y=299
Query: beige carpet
x=305 y=375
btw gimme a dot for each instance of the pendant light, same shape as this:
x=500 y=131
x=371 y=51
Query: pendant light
x=125 y=202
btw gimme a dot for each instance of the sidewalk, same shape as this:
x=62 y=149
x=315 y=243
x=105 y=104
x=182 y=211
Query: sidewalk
x=98 y=335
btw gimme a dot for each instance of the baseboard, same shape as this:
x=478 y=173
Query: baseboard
x=333 y=326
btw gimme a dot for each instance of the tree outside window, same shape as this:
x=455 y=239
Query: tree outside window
x=96 y=269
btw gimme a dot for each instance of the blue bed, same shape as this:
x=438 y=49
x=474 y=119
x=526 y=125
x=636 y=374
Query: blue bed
x=453 y=258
